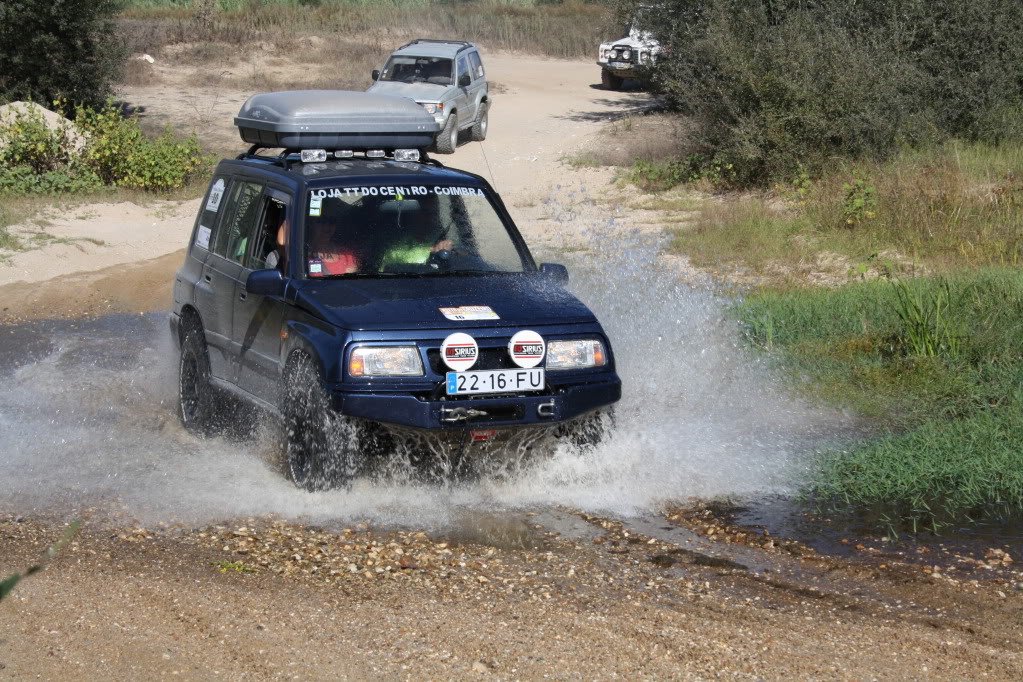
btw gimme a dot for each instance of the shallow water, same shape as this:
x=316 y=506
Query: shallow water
x=88 y=421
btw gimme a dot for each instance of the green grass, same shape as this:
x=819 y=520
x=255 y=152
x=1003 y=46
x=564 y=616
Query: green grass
x=936 y=361
x=958 y=205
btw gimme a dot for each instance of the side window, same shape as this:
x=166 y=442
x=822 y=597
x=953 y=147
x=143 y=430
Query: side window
x=271 y=236
x=204 y=234
x=477 y=65
x=463 y=67
x=238 y=221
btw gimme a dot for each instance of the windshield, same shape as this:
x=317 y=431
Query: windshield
x=408 y=69
x=412 y=230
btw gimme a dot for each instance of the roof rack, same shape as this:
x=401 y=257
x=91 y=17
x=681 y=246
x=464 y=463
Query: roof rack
x=465 y=45
x=288 y=157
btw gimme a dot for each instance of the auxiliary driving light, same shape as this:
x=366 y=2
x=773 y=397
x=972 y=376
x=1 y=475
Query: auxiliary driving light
x=314 y=155
x=383 y=361
x=406 y=154
x=344 y=154
x=375 y=153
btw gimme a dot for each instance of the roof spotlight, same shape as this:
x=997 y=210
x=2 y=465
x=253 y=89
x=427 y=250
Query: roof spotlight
x=314 y=155
x=344 y=154
x=375 y=153
x=406 y=154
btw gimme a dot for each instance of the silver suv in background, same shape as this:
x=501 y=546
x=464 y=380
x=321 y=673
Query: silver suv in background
x=631 y=56
x=447 y=78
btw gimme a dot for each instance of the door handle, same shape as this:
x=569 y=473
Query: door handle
x=208 y=278
x=242 y=296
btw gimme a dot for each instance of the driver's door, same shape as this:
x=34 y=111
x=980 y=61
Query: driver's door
x=256 y=332
x=464 y=101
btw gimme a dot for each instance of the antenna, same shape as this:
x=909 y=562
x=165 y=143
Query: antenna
x=483 y=149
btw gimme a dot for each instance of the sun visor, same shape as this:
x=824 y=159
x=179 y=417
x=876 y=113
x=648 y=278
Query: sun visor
x=335 y=119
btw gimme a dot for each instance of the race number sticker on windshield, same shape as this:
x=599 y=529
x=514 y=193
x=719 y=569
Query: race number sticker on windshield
x=202 y=237
x=216 y=194
x=459 y=351
x=469 y=312
x=526 y=348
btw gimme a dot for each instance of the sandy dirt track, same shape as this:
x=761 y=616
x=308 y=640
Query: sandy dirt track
x=555 y=594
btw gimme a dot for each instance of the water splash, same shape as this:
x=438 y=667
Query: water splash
x=88 y=420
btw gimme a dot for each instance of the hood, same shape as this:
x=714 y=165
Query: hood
x=635 y=41
x=420 y=92
x=414 y=303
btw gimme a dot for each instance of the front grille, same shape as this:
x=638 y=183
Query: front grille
x=620 y=58
x=489 y=358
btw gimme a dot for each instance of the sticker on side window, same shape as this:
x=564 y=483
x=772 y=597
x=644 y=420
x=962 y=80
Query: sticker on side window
x=469 y=312
x=202 y=237
x=315 y=205
x=216 y=194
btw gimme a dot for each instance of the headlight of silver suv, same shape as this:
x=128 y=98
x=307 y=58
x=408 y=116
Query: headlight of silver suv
x=575 y=354
x=433 y=108
x=385 y=361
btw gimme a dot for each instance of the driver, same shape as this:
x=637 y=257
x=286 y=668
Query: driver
x=419 y=238
x=327 y=255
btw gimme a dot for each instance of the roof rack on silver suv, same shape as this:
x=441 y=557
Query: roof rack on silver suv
x=465 y=45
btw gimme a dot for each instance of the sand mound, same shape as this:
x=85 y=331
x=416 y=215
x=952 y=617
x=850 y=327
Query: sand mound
x=54 y=121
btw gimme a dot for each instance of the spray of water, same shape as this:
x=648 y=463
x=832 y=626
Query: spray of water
x=87 y=420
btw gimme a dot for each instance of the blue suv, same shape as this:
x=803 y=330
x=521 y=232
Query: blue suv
x=360 y=298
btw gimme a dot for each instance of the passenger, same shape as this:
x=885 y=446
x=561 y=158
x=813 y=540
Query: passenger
x=276 y=256
x=417 y=241
x=326 y=255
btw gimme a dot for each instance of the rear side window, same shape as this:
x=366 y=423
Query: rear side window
x=477 y=65
x=463 y=67
x=240 y=213
x=204 y=234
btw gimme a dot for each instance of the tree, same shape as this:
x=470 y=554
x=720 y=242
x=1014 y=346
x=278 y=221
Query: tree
x=53 y=49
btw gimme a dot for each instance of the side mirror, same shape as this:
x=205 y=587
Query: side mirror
x=555 y=272
x=376 y=74
x=464 y=81
x=265 y=283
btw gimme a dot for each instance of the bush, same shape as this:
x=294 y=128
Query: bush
x=776 y=85
x=58 y=49
x=102 y=148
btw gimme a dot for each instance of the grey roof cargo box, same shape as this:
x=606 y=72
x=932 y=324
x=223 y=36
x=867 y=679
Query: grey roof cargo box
x=335 y=119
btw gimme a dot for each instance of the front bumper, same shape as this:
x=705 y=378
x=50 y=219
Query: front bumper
x=625 y=70
x=548 y=409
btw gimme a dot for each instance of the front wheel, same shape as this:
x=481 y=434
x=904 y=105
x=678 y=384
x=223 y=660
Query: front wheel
x=588 y=431
x=196 y=395
x=479 y=129
x=447 y=138
x=319 y=451
x=609 y=80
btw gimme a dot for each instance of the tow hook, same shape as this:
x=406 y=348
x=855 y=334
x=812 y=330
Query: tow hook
x=458 y=414
x=545 y=409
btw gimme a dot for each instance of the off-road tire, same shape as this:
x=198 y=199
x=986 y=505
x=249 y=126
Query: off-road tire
x=590 y=430
x=610 y=81
x=447 y=138
x=318 y=453
x=197 y=398
x=479 y=128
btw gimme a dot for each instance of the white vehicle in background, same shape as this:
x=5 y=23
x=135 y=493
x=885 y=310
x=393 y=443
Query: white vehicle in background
x=631 y=56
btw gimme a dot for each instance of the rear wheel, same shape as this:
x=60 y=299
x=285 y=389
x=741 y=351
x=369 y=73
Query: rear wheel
x=447 y=138
x=320 y=449
x=609 y=80
x=197 y=399
x=479 y=129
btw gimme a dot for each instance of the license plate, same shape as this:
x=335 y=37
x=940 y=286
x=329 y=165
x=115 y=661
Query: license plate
x=620 y=65
x=495 y=381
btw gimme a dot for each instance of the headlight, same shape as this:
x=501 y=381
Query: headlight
x=614 y=54
x=625 y=54
x=385 y=361
x=576 y=354
x=432 y=108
